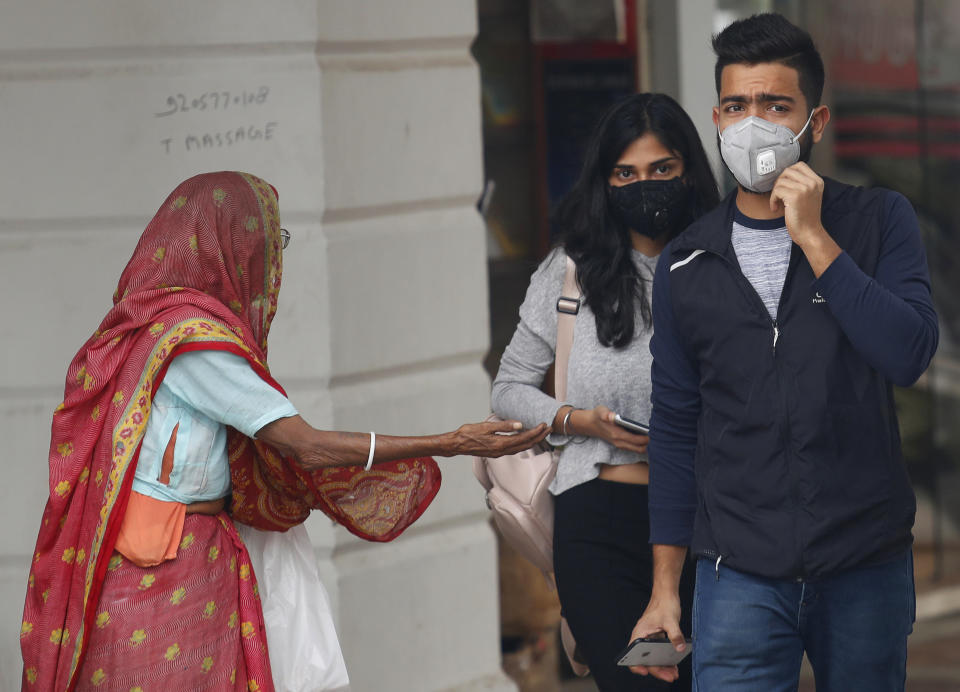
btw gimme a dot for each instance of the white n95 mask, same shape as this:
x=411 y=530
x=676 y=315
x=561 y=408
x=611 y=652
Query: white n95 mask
x=757 y=151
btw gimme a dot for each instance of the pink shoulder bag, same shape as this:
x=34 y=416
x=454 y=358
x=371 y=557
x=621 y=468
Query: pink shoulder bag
x=518 y=485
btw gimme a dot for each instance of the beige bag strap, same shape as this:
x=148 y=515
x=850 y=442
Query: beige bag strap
x=568 y=305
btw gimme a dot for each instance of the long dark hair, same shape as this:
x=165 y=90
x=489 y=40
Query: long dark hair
x=594 y=239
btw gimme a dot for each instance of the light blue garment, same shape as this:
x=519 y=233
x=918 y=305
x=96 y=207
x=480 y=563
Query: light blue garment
x=203 y=392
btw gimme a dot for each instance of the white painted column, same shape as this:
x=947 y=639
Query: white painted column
x=698 y=92
x=406 y=259
x=365 y=115
x=678 y=46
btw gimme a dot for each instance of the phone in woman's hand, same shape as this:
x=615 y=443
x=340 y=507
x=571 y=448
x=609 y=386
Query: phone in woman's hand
x=631 y=425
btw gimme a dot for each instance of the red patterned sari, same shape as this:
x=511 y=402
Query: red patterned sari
x=205 y=275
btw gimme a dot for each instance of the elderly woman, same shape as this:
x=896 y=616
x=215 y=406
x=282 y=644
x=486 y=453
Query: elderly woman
x=171 y=430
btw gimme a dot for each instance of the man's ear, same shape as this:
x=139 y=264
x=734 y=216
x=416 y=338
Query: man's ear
x=818 y=123
x=716 y=116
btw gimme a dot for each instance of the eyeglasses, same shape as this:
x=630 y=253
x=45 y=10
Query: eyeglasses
x=284 y=238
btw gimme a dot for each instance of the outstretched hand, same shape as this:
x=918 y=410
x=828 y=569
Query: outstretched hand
x=496 y=438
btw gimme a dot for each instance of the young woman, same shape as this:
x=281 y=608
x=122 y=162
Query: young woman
x=644 y=178
x=171 y=430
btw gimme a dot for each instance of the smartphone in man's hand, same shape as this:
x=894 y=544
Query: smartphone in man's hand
x=652 y=651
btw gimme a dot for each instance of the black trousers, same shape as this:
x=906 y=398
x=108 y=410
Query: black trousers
x=604 y=570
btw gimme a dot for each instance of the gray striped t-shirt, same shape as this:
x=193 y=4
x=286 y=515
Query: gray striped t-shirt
x=763 y=250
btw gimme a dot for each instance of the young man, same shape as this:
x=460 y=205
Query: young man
x=782 y=320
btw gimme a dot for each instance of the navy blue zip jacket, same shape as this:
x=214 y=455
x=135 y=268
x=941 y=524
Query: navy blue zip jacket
x=774 y=445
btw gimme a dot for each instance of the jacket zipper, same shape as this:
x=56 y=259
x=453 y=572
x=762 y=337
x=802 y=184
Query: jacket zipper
x=787 y=434
x=752 y=295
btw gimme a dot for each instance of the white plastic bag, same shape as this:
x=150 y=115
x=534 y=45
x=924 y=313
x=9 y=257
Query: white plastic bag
x=305 y=653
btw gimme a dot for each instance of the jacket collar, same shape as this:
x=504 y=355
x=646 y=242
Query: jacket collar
x=712 y=231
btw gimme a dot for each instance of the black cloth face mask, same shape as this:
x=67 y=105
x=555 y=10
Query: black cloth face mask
x=652 y=207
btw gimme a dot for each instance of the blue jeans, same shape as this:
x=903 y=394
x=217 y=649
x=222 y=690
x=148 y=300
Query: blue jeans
x=750 y=632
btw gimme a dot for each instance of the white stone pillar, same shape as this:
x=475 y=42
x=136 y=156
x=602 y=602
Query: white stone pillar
x=365 y=115
x=677 y=35
x=698 y=92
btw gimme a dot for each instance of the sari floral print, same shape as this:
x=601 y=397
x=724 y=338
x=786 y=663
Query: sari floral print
x=204 y=275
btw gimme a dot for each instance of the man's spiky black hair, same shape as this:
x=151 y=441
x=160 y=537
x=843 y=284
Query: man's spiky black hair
x=771 y=37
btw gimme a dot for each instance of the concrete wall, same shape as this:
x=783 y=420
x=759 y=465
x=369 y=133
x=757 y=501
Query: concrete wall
x=365 y=116
x=681 y=60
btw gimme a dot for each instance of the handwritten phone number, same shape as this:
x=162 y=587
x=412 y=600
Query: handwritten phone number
x=214 y=101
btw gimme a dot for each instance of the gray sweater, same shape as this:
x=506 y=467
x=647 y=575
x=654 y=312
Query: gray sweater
x=616 y=378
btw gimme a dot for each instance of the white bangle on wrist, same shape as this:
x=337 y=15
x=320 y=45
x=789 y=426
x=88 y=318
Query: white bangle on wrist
x=373 y=446
x=560 y=437
x=566 y=419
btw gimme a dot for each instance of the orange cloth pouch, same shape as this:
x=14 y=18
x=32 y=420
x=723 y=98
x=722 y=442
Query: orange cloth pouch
x=151 y=530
